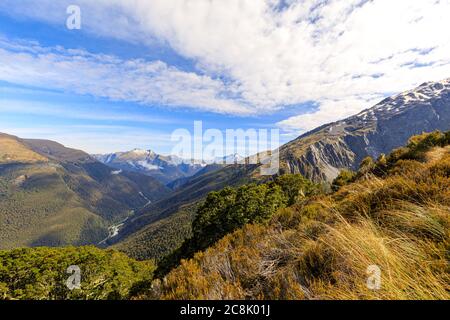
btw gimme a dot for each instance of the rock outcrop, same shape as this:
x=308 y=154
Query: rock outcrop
x=322 y=153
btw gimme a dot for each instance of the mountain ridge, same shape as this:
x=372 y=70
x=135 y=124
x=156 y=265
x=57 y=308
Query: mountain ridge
x=53 y=195
x=166 y=169
x=321 y=153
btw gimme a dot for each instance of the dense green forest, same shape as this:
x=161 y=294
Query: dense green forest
x=161 y=237
x=41 y=273
x=38 y=209
x=162 y=227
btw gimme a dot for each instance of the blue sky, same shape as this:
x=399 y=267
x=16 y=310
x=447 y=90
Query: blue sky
x=135 y=73
x=74 y=119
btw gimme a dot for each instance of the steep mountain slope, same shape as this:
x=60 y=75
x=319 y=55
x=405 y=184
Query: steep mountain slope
x=323 y=152
x=40 y=274
x=164 y=168
x=391 y=219
x=182 y=182
x=158 y=229
x=52 y=195
x=318 y=155
x=383 y=235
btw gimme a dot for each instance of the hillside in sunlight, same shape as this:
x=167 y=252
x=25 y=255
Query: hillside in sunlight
x=393 y=214
x=318 y=155
x=283 y=239
x=51 y=195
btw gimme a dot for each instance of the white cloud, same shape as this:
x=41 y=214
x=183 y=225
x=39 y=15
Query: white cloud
x=107 y=18
x=328 y=111
x=107 y=76
x=343 y=54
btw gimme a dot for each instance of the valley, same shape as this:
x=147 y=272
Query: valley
x=113 y=230
x=318 y=155
x=95 y=194
x=53 y=196
x=165 y=169
x=224 y=158
x=284 y=239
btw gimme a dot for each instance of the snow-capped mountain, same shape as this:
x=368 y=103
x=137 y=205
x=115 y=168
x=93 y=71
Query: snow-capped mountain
x=392 y=106
x=323 y=152
x=230 y=159
x=163 y=168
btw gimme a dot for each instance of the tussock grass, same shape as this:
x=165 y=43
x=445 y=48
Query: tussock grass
x=396 y=218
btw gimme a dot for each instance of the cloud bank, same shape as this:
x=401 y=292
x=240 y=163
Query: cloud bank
x=251 y=56
x=148 y=83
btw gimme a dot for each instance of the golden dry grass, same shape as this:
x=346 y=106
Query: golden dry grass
x=12 y=151
x=322 y=248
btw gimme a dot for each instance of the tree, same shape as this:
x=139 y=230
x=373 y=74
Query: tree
x=345 y=177
x=230 y=209
x=295 y=187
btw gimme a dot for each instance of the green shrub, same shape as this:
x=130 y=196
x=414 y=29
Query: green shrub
x=345 y=177
x=395 y=217
x=230 y=209
x=296 y=187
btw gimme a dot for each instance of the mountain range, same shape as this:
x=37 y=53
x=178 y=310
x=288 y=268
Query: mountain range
x=170 y=170
x=163 y=168
x=323 y=152
x=318 y=155
x=53 y=195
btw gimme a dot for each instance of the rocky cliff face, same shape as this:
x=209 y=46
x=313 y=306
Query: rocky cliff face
x=322 y=153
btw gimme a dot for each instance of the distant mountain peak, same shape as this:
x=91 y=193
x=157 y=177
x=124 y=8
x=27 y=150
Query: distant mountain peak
x=320 y=154
x=67 y=197
x=163 y=168
x=139 y=151
x=397 y=104
x=229 y=159
x=142 y=152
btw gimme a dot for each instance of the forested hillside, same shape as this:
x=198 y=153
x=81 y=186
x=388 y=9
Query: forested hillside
x=318 y=155
x=168 y=222
x=284 y=239
x=231 y=208
x=51 y=195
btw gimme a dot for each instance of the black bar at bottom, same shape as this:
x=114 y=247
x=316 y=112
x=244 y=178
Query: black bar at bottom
x=174 y=310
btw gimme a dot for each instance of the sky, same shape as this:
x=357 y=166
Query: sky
x=138 y=70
